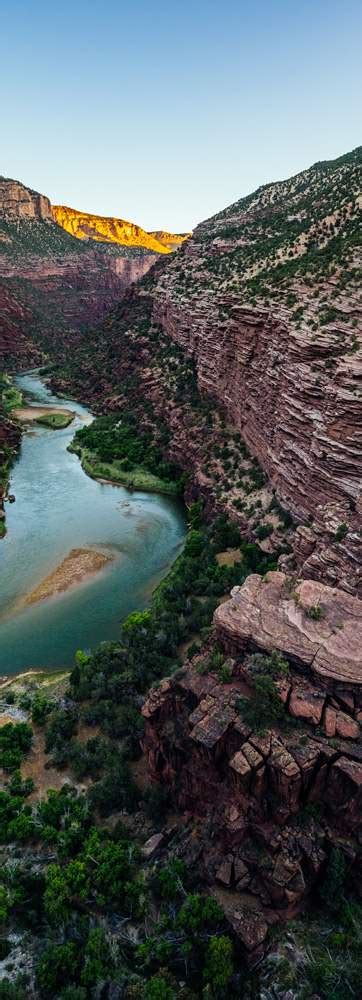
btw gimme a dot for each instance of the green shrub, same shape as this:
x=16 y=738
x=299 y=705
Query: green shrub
x=333 y=885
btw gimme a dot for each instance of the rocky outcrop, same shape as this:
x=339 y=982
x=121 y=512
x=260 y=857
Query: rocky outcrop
x=51 y=284
x=102 y=229
x=266 y=800
x=264 y=807
x=170 y=240
x=16 y=347
x=18 y=202
x=319 y=628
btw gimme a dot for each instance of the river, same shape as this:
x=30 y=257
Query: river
x=59 y=508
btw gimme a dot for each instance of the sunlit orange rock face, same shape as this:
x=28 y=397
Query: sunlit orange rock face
x=111 y=230
x=51 y=284
x=170 y=240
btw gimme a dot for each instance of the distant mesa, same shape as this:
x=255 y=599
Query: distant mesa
x=61 y=269
x=170 y=240
x=103 y=229
x=18 y=202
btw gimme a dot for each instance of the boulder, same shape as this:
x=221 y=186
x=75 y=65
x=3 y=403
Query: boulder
x=152 y=845
x=346 y=727
x=224 y=872
x=306 y=703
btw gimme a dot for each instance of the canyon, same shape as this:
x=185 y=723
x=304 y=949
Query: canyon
x=240 y=358
x=265 y=297
x=49 y=280
x=260 y=311
x=61 y=270
x=264 y=300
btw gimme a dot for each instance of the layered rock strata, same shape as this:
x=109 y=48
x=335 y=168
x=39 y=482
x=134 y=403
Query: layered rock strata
x=86 y=226
x=319 y=628
x=51 y=284
x=265 y=807
x=265 y=298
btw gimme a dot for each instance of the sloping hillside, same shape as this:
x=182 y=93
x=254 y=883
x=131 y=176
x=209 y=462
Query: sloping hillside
x=108 y=230
x=56 y=283
x=264 y=298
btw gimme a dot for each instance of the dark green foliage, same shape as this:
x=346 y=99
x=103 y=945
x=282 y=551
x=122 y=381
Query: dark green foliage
x=157 y=988
x=116 y=790
x=264 y=708
x=104 y=872
x=56 y=967
x=274 y=665
x=15 y=818
x=64 y=819
x=40 y=709
x=264 y=530
x=333 y=885
x=198 y=912
x=341 y=532
x=98 y=962
x=119 y=437
x=171 y=879
x=219 y=964
x=315 y=612
x=15 y=741
x=10 y=990
x=61 y=727
x=18 y=786
x=157 y=802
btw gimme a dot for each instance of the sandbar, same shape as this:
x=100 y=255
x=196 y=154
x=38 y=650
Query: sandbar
x=29 y=413
x=77 y=566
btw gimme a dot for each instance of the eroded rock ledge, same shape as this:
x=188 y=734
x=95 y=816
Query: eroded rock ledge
x=265 y=807
x=318 y=627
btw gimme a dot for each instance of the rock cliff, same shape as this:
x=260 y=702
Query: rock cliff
x=170 y=240
x=265 y=298
x=109 y=230
x=266 y=802
x=53 y=285
x=19 y=202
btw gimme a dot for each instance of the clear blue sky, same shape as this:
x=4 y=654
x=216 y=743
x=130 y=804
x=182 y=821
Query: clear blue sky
x=165 y=111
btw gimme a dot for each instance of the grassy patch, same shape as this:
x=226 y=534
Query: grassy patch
x=10 y=395
x=136 y=479
x=55 y=420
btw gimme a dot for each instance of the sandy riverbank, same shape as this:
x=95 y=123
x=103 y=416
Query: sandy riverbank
x=78 y=565
x=30 y=413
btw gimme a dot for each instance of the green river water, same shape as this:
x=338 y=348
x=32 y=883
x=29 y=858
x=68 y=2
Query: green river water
x=59 y=508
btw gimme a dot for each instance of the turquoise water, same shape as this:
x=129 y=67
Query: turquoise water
x=59 y=508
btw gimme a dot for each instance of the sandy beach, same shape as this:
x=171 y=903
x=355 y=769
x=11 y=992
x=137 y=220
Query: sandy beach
x=30 y=413
x=77 y=566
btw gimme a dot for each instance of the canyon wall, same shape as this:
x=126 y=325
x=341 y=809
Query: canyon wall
x=51 y=284
x=19 y=202
x=268 y=802
x=265 y=299
x=102 y=229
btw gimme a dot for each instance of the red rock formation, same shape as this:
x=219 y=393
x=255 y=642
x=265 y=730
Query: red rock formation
x=252 y=796
x=319 y=628
x=264 y=297
x=19 y=202
x=55 y=285
x=16 y=347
